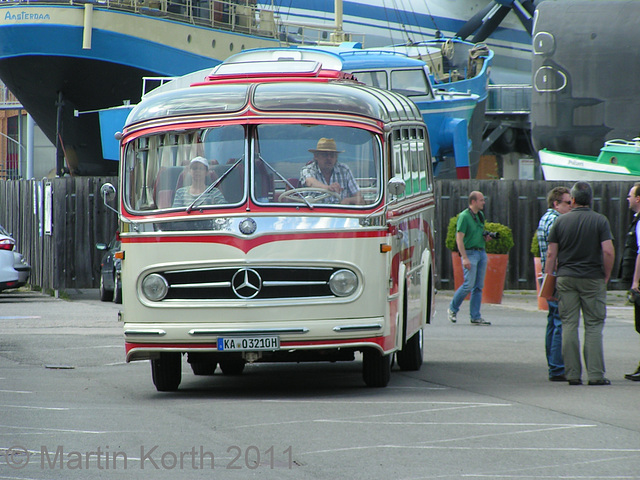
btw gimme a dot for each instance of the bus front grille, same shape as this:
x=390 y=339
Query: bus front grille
x=255 y=282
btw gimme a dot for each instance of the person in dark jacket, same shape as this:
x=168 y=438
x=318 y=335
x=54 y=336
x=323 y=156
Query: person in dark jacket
x=631 y=262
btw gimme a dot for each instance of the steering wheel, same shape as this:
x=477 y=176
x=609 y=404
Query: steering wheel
x=305 y=193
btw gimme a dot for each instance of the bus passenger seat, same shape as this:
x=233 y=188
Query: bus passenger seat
x=165 y=186
x=231 y=186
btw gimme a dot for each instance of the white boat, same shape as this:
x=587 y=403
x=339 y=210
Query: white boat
x=618 y=160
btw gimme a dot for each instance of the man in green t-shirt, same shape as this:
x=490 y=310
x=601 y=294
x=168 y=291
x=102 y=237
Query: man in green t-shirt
x=471 y=241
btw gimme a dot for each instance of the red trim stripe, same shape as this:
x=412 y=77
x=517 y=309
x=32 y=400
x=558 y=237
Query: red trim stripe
x=247 y=244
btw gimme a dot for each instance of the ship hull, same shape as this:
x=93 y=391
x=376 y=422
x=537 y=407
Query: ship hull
x=584 y=74
x=42 y=61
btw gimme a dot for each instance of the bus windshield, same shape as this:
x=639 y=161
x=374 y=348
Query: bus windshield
x=221 y=166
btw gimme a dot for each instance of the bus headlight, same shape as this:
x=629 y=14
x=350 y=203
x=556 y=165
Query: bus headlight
x=343 y=283
x=155 y=287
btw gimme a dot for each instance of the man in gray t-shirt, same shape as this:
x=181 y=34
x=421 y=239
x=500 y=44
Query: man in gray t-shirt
x=581 y=254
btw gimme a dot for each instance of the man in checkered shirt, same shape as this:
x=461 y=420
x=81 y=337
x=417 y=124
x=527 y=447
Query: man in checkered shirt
x=558 y=202
x=326 y=173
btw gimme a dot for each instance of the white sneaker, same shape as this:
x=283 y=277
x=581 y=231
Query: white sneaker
x=453 y=317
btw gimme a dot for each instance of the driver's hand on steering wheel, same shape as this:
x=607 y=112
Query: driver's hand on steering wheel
x=335 y=187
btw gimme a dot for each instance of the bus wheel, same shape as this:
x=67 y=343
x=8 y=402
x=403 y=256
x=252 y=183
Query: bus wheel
x=232 y=366
x=376 y=368
x=166 y=371
x=410 y=357
x=203 y=368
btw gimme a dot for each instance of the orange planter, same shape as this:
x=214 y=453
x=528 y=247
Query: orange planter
x=537 y=267
x=493 y=280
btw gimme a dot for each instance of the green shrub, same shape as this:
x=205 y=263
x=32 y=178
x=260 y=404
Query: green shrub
x=535 y=248
x=450 y=241
x=501 y=245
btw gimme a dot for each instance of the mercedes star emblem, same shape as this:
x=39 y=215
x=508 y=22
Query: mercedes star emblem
x=248 y=226
x=246 y=283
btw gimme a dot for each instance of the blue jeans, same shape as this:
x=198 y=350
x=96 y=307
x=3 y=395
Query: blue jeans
x=553 y=341
x=473 y=282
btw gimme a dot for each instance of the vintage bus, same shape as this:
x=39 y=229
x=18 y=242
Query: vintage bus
x=232 y=254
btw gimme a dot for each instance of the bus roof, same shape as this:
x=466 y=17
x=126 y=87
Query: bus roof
x=273 y=94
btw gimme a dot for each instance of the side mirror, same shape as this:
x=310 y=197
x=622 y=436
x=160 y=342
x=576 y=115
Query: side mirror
x=108 y=192
x=396 y=186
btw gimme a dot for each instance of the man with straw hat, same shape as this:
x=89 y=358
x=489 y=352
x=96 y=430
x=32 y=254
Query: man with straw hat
x=326 y=173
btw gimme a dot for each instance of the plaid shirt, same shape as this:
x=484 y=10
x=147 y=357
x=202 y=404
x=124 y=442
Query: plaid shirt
x=544 y=227
x=341 y=174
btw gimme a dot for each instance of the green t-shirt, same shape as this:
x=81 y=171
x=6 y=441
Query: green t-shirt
x=472 y=226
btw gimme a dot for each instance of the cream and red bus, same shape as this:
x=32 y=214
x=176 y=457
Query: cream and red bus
x=259 y=266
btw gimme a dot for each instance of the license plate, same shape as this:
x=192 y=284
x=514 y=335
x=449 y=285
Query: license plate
x=231 y=344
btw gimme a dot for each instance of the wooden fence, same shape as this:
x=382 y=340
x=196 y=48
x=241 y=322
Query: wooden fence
x=66 y=257
x=56 y=224
x=519 y=204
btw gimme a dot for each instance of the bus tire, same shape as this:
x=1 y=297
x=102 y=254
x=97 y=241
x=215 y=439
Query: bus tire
x=376 y=368
x=411 y=355
x=232 y=366
x=166 y=371
x=203 y=368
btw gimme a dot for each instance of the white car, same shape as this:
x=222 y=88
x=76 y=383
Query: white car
x=14 y=270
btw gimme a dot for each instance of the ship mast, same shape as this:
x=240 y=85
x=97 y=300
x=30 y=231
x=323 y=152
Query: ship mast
x=338 y=35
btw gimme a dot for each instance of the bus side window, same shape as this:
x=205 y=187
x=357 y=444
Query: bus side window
x=426 y=179
x=396 y=152
x=410 y=160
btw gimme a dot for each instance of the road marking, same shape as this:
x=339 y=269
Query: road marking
x=391 y=402
x=446 y=406
x=477 y=447
x=58 y=430
x=34 y=408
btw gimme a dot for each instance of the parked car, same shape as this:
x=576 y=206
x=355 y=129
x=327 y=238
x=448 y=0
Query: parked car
x=110 y=286
x=14 y=269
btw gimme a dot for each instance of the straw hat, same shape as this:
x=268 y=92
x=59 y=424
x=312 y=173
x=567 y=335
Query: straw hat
x=201 y=160
x=326 y=145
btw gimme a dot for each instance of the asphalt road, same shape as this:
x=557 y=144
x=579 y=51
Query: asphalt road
x=481 y=407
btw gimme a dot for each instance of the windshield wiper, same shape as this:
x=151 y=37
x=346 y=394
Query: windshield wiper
x=213 y=185
x=287 y=182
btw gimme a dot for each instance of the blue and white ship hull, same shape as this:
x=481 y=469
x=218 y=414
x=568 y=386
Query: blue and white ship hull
x=55 y=52
x=59 y=59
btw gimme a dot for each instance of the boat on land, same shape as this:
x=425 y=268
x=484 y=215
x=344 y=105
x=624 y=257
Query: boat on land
x=457 y=66
x=618 y=160
x=446 y=111
x=454 y=64
x=65 y=61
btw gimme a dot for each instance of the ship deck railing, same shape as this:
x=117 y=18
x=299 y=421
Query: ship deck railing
x=8 y=101
x=508 y=107
x=240 y=16
x=509 y=100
